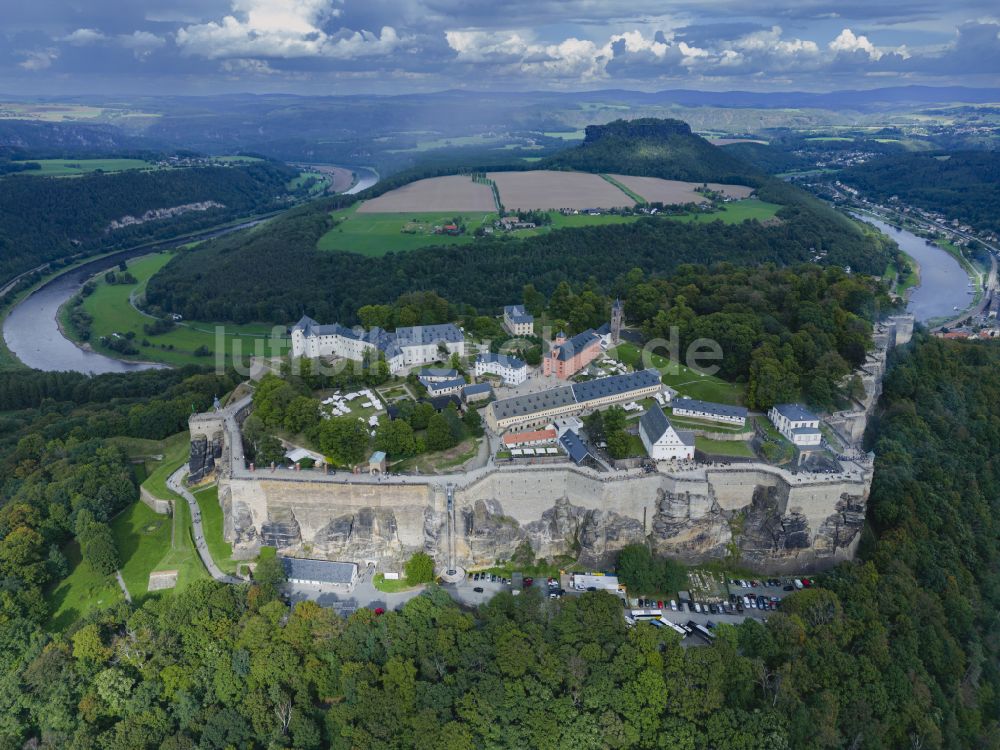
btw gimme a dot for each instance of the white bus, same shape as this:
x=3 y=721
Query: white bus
x=646 y=614
x=673 y=626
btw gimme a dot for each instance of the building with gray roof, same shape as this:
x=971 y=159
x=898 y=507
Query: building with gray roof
x=320 y=572
x=518 y=321
x=404 y=348
x=797 y=424
x=691 y=407
x=541 y=408
x=662 y=441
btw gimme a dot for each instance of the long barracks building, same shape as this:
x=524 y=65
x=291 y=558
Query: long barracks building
x=535 y=410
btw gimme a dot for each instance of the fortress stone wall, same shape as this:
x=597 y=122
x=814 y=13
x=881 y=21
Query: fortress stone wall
x=776 y=521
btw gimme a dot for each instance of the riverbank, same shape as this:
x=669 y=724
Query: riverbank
x=114 y=316
x=31 y=332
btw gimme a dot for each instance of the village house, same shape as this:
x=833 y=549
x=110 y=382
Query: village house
x=403 y=349
x=797 y=424
x=567 y=357
x=511 y=370
x=662 y=441
x=517 y=321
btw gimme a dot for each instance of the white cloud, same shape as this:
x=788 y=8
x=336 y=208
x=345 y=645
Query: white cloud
x=283 y=29
x=141 y=43
x=38 y=59
x=83 y=36
x=848 y=42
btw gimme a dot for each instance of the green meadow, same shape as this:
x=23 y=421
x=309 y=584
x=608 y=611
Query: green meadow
x=736 y=212
x=682 y=378
x=375 y=235
x=112 y=312
x=68 y=167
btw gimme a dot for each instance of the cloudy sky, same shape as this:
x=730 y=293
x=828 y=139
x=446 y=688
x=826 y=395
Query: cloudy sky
x=394 y=46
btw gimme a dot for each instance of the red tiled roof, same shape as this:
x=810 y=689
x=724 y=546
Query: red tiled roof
x=529 y=437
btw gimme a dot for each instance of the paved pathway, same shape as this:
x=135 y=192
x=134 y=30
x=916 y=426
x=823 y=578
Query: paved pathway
x=124 y=588
x=175 y=483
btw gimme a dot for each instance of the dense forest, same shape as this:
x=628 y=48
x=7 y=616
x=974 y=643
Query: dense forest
x=963 y=185
x=45 y=219
x=790 y=334
x=899 y=649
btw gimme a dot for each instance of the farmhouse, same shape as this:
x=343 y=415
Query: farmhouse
x=512 y=371
x=796 y=423
x=690 y=407
x=662 y=441
x=517 y=321
x=568 y=356
x=542 y=408
x=415 y=345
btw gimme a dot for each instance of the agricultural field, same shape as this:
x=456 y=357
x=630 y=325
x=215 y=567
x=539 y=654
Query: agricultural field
x=112 y=312
x=734 y=213
x=70 y=167
x=654 y=189
x=545 y=189
x=375 y=234
x=453 y=193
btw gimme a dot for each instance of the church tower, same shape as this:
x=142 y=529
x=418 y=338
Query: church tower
x=617 y=320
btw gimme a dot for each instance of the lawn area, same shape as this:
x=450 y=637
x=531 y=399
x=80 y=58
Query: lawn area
x=112 y=312
x=736 y=212
x=584 y=220
x=724 y=447
x=432 y=463
x=211 y=520
x=682 y=378
x=375 y=234
x=321 y=184
x=390 y=587
x=635 y=447
x=688 y=423
x=175 y=451
x=81 y=591
x=148 y=541
x=66 y=167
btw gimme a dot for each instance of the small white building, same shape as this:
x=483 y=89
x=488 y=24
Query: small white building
x=583 y=582
x=511 y=370
x=690 y=407
x=796 y=423
x=662 y=441
x=517 y=321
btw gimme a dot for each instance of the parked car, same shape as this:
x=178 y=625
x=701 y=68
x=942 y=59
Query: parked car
x=806 y=582
x=739 y=607
x=798 y=584
x=789 y=588
x=478 y=589
x=528 y=582
x=673 y=605
x=659 y=605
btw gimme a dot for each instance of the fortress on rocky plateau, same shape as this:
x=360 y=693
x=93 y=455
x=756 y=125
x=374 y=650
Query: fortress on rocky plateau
x=769 y=518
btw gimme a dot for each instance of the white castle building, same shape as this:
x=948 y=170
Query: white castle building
x=403 y=349
x=512 y=371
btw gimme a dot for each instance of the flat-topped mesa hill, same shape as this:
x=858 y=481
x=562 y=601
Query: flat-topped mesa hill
x=652 y=147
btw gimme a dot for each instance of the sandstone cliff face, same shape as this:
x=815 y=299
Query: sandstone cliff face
x=367 y=534
x=689 y=525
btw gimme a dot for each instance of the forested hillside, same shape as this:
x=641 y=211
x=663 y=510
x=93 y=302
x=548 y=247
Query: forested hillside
x=44 y=219
x=211 y=283
x=898 y=650
x=963 y=185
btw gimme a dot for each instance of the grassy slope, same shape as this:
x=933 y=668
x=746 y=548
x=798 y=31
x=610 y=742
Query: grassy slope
x=682 y=378
x=734 y=213
x=81 y=591
x=211 y=519
x=112 y=313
